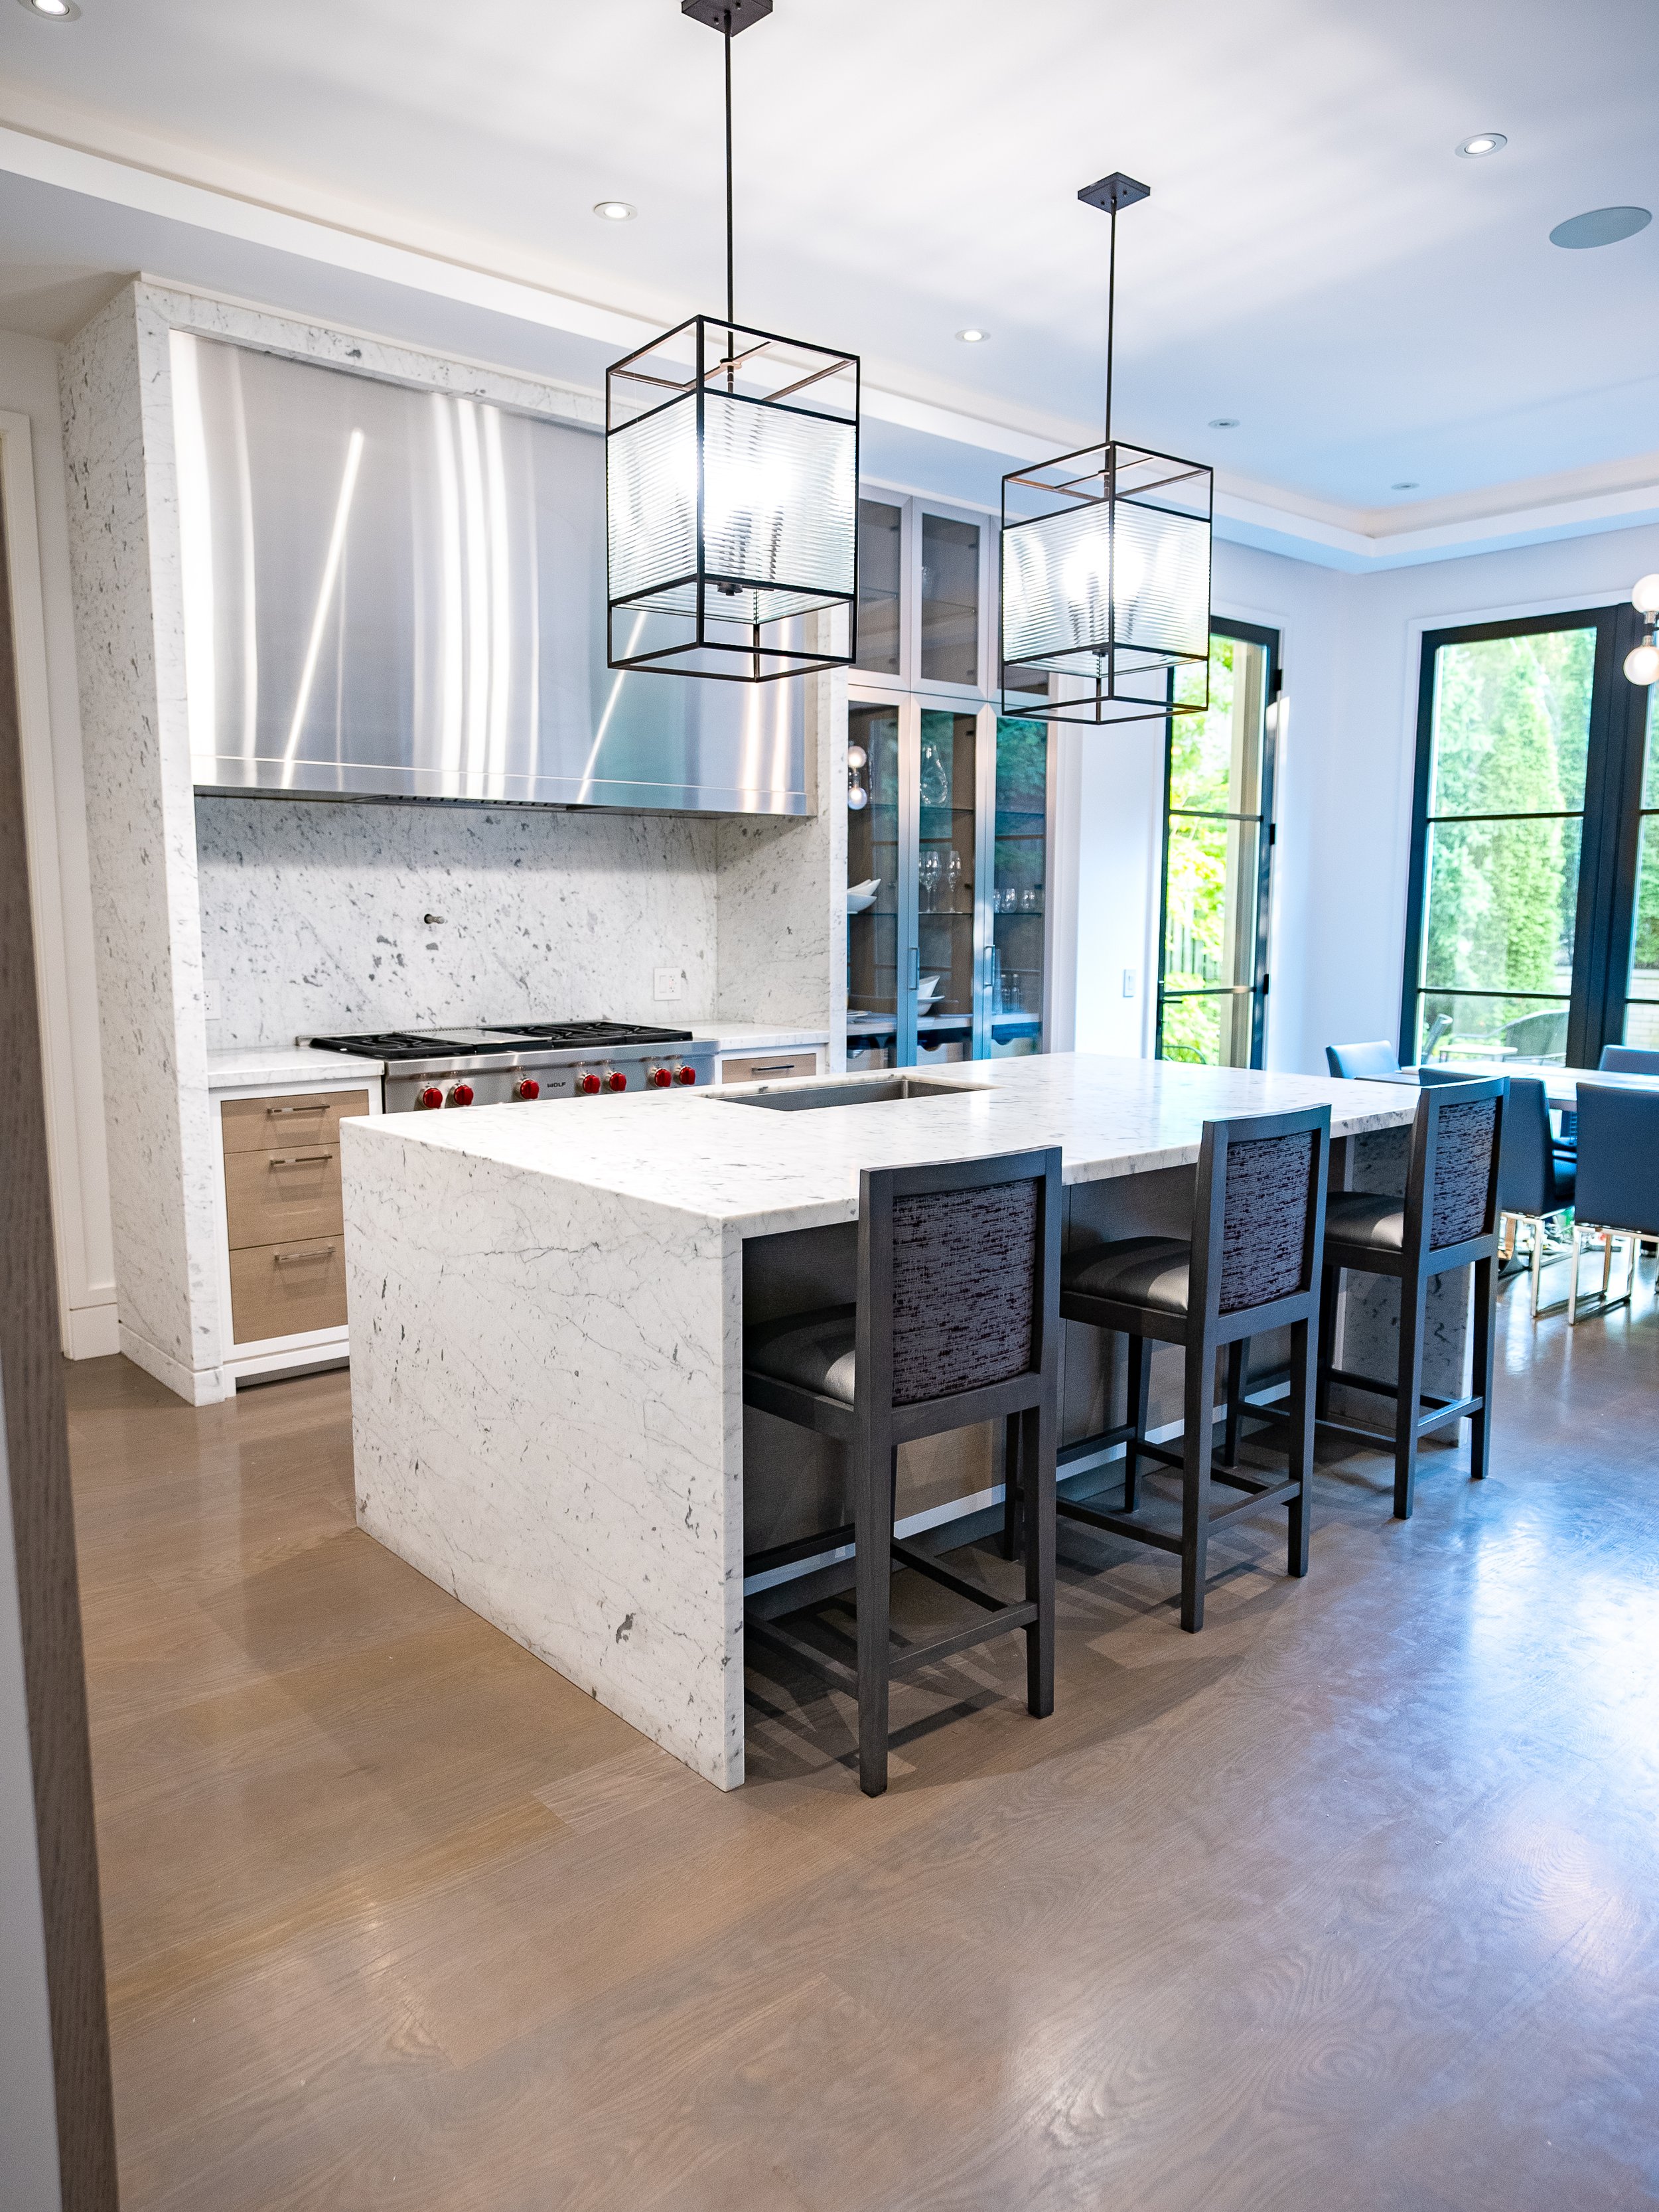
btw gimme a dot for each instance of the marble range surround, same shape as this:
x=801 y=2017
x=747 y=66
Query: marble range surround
x=175 y=880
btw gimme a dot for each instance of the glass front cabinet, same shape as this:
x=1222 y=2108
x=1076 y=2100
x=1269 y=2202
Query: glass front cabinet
x=948 y=805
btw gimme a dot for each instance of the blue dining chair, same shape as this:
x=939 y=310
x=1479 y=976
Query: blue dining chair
x=1535 y=1176
x=1628 y=1060
x=1617 y=1197
x=1376 y=1063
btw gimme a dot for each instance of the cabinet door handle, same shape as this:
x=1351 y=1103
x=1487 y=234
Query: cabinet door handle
x=311 y=1252
x=316 y=1106
x=782 y=1067
x=915 y=966
x=301 y=1159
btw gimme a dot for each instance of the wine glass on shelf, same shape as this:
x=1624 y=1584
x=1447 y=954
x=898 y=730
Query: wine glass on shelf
x=927 y=873
x=953 y=873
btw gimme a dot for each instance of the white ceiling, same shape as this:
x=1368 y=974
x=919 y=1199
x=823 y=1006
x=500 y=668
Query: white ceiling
x=1314 y=259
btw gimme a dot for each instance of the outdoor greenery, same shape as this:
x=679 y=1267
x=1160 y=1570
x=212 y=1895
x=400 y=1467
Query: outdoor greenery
x=1510 y=731
x=1210 y=864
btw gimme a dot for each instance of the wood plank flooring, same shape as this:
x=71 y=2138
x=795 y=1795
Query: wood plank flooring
x=1349 y=1901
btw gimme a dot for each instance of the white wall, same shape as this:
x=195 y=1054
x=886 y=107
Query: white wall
x=32 y=473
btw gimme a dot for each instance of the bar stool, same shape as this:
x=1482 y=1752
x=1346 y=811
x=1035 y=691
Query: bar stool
x=1253 y=1263
x=1448 y=1217
x=957 y=1321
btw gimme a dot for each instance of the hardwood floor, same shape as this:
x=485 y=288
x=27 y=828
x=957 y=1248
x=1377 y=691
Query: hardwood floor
x=1349 y=1901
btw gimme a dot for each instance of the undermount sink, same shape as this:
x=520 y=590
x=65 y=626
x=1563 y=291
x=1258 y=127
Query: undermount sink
x=799 y=1096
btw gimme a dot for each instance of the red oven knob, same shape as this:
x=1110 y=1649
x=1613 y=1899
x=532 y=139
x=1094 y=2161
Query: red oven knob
x=588 y=1085
x=430 y=1097
x=616 y=1079
x=659 y=1078
x=460 y=1094
x=685 y=1075
x=527 y=1087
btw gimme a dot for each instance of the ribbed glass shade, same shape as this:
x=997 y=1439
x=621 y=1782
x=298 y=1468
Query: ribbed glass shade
x=732 y=496
x=1106 y=584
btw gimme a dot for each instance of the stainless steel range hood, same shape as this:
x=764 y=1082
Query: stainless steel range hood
x=393 y=593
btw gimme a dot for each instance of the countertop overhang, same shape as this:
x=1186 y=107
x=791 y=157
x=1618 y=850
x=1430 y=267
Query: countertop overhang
x=695 y=1153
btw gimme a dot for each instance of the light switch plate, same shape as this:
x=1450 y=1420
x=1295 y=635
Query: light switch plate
x=669 y=983
x=1131 y=983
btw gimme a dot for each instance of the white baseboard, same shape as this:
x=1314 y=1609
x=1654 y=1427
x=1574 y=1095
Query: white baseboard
x=208 y=1386
x=94 y=1332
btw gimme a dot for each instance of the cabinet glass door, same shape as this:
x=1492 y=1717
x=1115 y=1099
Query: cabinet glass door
x=949 y=600
x=873 y=887
x=946 y=817
x=1019 y=833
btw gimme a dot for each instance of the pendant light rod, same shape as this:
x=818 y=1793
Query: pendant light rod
x=1110 y=194
x=728 y=17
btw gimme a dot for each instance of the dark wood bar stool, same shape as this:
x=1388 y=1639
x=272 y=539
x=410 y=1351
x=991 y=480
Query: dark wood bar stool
x=957 y=1321
x=1252 y=1264
x=1448 y=1217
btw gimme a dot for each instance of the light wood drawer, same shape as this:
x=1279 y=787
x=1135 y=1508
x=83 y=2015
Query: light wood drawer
x=277 y=1290
x=768 y=1067
x=298 y=1121
x=283 y=1197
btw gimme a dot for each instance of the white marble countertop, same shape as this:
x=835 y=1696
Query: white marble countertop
x=697 y=1153
x=760 y=1036
x=287 y=1065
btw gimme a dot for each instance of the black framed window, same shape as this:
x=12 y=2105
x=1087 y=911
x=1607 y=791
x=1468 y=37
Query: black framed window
x=1218 y=851
x=1524 y=841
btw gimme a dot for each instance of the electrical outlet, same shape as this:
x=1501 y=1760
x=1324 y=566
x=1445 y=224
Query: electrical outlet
x=211 y=1008
x=669 y=983
x=1131 y=983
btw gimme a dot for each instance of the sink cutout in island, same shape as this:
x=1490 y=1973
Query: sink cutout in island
x=802 y=1097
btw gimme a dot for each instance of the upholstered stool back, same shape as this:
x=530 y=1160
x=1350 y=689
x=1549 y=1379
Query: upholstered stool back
x=1267 y=1218
x=965 y=1268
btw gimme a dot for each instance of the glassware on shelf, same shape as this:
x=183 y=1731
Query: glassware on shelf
x=1030 y=899
x=953 y=875
x=927 y=877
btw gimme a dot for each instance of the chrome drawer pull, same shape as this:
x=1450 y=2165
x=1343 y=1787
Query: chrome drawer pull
x=313 y=1251
x=318 y=1106
x=301 y=1159
x=783 y=1067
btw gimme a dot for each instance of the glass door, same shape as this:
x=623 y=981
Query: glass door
x=1641 y=1022
x=946 y=877
x=874 y=887
x=1017 y=941
x=1502 y=772
x=1218 y=834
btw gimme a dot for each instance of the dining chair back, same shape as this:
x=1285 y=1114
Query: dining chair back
x=1629 y=1060
x=1372 y=1061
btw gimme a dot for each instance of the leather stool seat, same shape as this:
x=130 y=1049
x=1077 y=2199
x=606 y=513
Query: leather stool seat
x=1140 y=1271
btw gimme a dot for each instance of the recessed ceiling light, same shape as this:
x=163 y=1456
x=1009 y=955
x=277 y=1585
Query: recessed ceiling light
x=1484 y=141
x=614 y=211
x=1410 y=483
x=55 y=11
x=1223 y=421
x=973 y=337
x=1600 y=226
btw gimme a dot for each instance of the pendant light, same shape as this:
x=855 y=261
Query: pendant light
x=1106 y=565
x=732 y=473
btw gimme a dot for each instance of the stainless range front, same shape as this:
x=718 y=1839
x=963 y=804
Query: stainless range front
x=531 y=1062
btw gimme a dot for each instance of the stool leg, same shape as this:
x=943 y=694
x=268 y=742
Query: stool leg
x=1198 y=1445
x=1234 y=1392
x=1010 y=1487
x=1407 y=1407
x=874 y=1474
x=1304 y=1380
x=1037 y=1459
x=1140 y=1391
x=1329 y=1289
x=1485 y=1310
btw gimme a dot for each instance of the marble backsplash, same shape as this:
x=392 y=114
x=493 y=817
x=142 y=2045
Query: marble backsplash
x=312 y=916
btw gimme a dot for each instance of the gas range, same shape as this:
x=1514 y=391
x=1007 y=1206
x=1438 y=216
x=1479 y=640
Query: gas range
x=501 y=1064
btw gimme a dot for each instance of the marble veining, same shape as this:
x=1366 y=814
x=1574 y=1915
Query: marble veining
x=546 y=1312
x=313 y=915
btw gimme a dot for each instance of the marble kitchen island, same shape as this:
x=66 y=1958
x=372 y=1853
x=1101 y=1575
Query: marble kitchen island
x=547 y=1305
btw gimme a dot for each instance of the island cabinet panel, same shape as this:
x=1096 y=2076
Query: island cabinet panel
x=297 y=1120
x=278 y=1290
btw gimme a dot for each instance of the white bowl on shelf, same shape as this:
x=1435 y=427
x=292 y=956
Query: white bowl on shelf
x=860 y=896
x=927 y=990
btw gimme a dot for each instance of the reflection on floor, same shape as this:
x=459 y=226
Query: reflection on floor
x=1351 y=1900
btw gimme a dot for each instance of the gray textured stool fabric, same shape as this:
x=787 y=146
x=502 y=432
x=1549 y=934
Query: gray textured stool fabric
x=1463 y=1170
x=963 y=1265
x=1139 y=1271
x=1265 y=1227
x=814 y=1351
x=1355 y=1217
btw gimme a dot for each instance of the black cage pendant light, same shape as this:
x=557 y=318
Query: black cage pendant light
x=732 y=475
x=1106 y=565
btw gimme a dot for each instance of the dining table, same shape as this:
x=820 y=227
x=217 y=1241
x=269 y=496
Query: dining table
x=1561 y=1083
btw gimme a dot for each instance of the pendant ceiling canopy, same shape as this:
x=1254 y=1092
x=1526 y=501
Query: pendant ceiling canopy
x=1106 y=565
x=731 y=471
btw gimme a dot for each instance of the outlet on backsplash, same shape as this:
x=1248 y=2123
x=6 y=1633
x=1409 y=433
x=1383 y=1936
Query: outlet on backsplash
x=669 y=983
